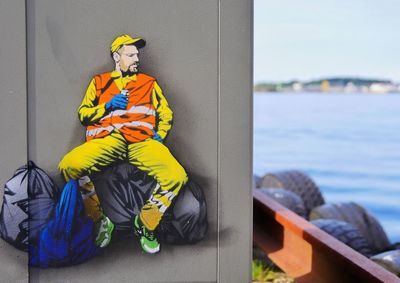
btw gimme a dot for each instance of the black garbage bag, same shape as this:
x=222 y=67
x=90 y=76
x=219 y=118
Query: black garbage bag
x=28 y=203
x=68 y=238
x=186 y=221
x=123 y=190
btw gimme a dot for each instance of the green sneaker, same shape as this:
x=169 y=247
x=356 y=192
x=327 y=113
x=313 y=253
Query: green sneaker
x=148 y=240
x=104 y=233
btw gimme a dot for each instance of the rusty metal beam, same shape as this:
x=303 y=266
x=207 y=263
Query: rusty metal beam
x=307 y=253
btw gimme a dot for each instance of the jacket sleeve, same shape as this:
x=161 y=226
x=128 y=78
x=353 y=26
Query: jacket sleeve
x=164 y=113
x=89 y=112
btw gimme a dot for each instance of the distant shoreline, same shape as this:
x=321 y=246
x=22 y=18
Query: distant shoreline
x=323 y=93
x=332 y=85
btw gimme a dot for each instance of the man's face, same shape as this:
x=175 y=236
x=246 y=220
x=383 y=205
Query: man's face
x=129 y=59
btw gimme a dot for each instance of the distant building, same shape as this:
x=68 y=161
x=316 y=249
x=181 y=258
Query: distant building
x=297 y=86
x=364 y=89
x=350 y=88
x=325 y=86
x=381 y=88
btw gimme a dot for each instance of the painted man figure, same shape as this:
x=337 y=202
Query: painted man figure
x=127 y=118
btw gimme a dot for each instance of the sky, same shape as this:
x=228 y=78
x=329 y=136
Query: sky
x=311 y=39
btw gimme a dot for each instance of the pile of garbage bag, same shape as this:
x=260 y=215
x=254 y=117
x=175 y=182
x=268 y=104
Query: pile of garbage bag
x=57 y=229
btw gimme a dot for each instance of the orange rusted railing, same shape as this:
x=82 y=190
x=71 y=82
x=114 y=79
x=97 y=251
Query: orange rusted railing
x=307 y=253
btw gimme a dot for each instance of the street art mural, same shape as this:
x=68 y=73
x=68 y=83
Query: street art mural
x=122 y=180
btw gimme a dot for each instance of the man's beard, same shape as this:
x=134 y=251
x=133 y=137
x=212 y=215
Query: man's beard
x=128 y=73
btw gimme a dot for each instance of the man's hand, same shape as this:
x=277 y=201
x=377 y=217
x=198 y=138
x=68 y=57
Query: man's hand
x=157 y=137
x=120 y=101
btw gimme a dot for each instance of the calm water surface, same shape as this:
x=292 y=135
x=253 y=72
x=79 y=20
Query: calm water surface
x=348 y=143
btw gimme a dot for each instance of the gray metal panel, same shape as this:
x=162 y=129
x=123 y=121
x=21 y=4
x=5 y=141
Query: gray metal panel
x=68 y=44
x=59 y=69
x=235 y=200
x=13 y=150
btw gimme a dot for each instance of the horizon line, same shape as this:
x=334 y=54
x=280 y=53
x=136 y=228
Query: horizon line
x=327 y=78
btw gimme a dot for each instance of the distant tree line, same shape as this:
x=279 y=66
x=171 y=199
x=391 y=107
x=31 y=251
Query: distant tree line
x=333 y=82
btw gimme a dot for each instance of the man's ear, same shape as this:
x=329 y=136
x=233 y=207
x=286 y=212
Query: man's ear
x=116 y=56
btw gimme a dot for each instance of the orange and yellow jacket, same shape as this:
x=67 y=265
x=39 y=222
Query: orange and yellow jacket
x=147 y=109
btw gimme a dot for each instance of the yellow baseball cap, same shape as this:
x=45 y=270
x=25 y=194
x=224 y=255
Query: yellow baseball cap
x=126 y=40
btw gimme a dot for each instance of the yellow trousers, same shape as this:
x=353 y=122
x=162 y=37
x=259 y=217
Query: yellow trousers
x=150 y=156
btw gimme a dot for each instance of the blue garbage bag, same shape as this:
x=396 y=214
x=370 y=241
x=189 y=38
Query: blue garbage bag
x=68 y=237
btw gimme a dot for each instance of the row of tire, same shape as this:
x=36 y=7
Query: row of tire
x=348 y=222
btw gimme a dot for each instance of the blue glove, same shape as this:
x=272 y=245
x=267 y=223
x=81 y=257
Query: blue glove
x=157 y=137
x=120 y=101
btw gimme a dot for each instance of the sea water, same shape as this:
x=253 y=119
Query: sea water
x=348 y=143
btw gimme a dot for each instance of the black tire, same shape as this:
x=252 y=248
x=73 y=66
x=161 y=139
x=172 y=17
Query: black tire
x=297 y=182
x=356 y=215
x=389 y=260
x=287 y=199
x=346 y=233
